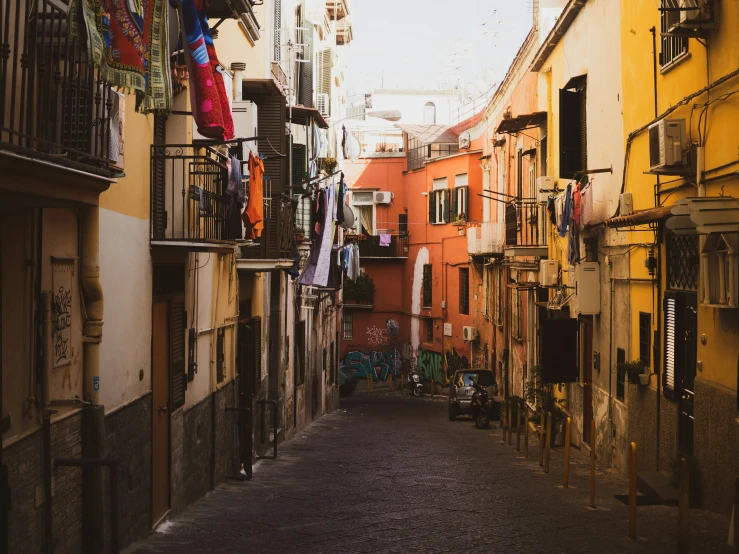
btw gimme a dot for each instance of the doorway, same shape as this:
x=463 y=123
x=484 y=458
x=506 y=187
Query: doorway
x=586 y=362
x=686 y=400
x=160 y=411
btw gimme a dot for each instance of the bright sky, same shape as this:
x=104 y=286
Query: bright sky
x=429 y=43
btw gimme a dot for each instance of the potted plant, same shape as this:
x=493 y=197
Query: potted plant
x=360 y=291
x=541 y=395
x=676 y=471
x=635 y=372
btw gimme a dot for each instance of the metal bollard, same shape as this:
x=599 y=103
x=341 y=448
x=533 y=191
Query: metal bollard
x=390 y=376
x=525 y=431
x=736 y=516
x=566 y=479
x=548 y=454
x=683 y=510
x=632 y=492
x=541 y=440
x=592 y=464
x=433 y=388
x=504 y=419
x=510 y=424
x=518 y=426
x=369 y=384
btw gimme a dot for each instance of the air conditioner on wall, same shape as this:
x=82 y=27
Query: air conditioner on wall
x=549 y=273
x=667 y=142
x=245 y=122
x=469 y=333
x=587 y=287
x=464 y=141
x=545 y=186
x=382 y=197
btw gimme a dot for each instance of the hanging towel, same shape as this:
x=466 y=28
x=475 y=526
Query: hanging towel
x=385 y=239
x=129 y=43
x=253 y=216
x=576 y=197
x=566 y=211
x=586 y=204
x=317 y=269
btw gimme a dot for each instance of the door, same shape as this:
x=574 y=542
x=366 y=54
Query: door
x=587 y=380
x=160 y=410
x=686 y=423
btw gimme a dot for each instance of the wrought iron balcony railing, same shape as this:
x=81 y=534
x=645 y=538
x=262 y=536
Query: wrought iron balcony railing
x=525 y=224
x=188 y=195
x=278 y=237
x=371 y=247
x=53 y=104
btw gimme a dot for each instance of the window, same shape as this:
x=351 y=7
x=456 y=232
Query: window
x=673 y=48
x=419 y=151
x=363 y=203
x=645 y=338
x=403 y=224
x=519 y=172
x=543 y=154
x=429 y=114
x=573 y=136
x=499 y=296
x=439 y=202
x=427 y=286
x=464 y=290
x=620 y=374
x=516 y=314
x=348 y=325
x=220 y=355
x=720 y=267
x=332 y=364
x=429 y=331
x=443 y=149
x=459 y=209
x=299 y=352
x=682 y=262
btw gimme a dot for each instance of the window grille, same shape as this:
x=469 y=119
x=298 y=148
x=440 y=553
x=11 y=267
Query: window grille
x=430 y=331
x=673 y=48
x=427 y=286
x=683 y=262
x=464 y=290
x=348 y=325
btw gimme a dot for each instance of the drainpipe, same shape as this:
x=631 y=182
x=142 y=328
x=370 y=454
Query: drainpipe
x=238 y=85
x=93 y=417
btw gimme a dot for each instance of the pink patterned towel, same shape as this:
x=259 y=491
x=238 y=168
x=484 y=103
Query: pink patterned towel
x=385 y=240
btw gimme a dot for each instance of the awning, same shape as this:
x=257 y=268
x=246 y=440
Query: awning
x=431 y=134
x=639 y=217
x=303 y=114
x=514 y=125
x=704 y=215
x=219 y=9
x=261 y=86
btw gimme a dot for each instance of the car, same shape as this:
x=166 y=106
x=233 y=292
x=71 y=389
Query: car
x=347 y=381
x=461 y=391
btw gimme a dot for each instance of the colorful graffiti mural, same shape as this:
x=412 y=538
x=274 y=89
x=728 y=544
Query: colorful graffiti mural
x=456 y=361
x=376 y=364
x=430 y=366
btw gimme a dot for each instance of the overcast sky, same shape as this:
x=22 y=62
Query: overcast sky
x=429 y=43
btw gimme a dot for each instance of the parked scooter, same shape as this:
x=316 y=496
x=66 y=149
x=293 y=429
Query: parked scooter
x=415 y=384
x=480 y=406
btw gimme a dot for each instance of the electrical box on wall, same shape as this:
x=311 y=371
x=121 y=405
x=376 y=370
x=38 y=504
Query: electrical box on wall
x=545 y=185
x=549 y=273
x=447 y=329
x=587 y=285
x=626 y=204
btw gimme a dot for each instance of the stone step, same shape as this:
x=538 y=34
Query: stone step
x=655 y=485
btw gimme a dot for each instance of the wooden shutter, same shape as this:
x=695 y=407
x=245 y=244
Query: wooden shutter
x=672 y=376
x=432 y=207
x=299 y=164
x=158 y=213
x=570 y=141
x=455 y=203
x=305 y=90
x=464 y=207
x=445 y=194
x=559 y=350
x=220 y=355
x=325 y=60
x=403 y=224
x=511 y=224
x=177 y=374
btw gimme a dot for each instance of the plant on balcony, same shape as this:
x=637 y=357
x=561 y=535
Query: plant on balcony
x=328 y=165
x=635 y=371
x=361 y=291
x=460 y=219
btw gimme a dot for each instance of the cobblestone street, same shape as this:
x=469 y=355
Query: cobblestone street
x=391 y=474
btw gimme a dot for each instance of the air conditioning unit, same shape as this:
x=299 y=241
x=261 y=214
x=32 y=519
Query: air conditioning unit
x=587 y=287
x=464 y=140
x=382 y=197
x=245 y=122
x=549 y=273
x=469 y=333
x=323 y=104
x=545 y=185
x=667 y=142
x=626 y=204
x=694 y=15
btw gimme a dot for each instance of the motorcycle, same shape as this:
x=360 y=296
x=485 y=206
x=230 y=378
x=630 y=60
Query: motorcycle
x=480 y=406
x=415 y=384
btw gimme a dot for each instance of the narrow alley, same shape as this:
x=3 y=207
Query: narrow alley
x=389 y=473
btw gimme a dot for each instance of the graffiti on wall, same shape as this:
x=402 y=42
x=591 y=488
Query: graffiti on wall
x=61 y=307
x=456 y=361
x=430 y=367
x=375 y=364
x=377 y=336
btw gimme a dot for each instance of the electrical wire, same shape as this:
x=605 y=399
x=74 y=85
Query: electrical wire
x=673 y=191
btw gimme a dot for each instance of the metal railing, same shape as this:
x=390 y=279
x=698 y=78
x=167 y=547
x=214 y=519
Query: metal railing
x=188 y=195
x=53 y=104
x=278 y=237
x=525 y=224
x=371 y=248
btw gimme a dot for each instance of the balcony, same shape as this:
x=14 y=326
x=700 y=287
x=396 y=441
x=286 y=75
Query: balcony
x=277 y=245
x=370 y=248
x=189 y=207
x=279 y=75
x=53 y=105
x=337 y=9
x=486 y=239
x=344 y=32
x=525 y=229
x=359 y=294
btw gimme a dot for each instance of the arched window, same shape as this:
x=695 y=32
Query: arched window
x=429 y=114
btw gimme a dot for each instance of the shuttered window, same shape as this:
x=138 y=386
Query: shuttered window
x=278 y=30
x=158 y=213
x=645 y=338
x=573 y=128
x=439 y=206
x=332 y=364
x=559 y=351
x=511 y=224
x=427 y=286
x=305 y=86
x=460 y=198
x=620 y=374
x=299 y=354
x=674 y=340
x=178 y=375
x=464 y=290
x=403 y=224
x=429 y=331
x=220 y=354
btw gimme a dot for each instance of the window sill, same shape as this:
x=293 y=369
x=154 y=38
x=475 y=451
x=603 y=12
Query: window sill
x=674 y=63
x=442 y=223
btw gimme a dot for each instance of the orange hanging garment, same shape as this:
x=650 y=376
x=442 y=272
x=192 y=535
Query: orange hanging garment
x=253 y=216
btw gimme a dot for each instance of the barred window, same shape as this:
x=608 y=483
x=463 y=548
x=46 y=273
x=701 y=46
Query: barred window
x=427 y=286
x=464 y=290
x=673 y=48
x=683 y=262
x=430 y=331
x=348 y=325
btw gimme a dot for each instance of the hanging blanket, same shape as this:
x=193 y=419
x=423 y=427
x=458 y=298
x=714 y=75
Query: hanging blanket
x=208 y=96
x=128 y=42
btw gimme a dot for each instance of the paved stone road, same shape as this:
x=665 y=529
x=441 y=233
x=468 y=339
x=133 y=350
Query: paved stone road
x=391 y=474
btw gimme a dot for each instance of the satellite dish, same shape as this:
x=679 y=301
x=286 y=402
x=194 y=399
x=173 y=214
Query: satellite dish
x=489 y=76
x=354 y=148
x=460 y=93
x=481 y=87
x=348 y=218
x=470 y=91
